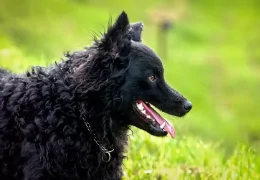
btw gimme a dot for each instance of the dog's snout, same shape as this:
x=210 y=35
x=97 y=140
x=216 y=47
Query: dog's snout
x=187 y=105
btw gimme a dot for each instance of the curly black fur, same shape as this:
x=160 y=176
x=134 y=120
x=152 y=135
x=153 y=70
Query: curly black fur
x=42 y=112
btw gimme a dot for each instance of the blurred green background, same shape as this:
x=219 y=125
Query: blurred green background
x=211 y=55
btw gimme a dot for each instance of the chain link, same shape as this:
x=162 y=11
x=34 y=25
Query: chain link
x=106 y=154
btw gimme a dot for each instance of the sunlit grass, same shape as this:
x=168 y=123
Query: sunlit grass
x=187 y=158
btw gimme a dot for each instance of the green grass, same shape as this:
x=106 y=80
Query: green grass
x=187 y=158
x=213 y=59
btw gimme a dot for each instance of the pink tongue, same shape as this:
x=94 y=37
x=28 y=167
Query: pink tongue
x=154 y=115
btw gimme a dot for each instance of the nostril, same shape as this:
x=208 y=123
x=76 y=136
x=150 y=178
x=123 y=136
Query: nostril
x=187 y=105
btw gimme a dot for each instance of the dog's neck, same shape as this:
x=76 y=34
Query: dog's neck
x=109 y=136
x=106 y=151
x=95 y=108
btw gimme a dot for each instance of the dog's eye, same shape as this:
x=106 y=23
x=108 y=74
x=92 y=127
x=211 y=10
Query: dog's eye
x=152 y=78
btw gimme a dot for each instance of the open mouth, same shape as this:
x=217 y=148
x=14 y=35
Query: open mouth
x=153 y=119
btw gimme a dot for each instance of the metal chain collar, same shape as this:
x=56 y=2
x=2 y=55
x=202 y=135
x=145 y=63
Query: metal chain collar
x=106 y=154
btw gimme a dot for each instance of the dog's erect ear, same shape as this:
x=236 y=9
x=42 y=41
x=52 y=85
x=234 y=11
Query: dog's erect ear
x=116 y=33
x=136 y=31
x=119 y=28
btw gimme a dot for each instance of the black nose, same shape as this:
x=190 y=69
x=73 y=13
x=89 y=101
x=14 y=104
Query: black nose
x=187 y=105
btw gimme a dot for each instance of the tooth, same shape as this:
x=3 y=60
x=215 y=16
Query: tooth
x=162 y=125
x=169 y=122
x=148 y=116
x=169 y=127
x=143 y=111
x=140 y=106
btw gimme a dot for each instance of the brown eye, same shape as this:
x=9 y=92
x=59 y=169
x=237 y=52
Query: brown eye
x=151 y=78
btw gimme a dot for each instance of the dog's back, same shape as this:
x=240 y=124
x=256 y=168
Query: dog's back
x=3 y=72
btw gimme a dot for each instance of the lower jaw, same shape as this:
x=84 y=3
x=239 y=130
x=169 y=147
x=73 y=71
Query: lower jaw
x=157 y=132
x=147 y=125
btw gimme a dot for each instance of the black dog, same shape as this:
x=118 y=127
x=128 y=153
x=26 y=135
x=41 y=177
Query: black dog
x=70 y=121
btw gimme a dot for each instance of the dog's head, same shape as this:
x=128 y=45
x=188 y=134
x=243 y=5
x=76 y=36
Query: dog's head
x=137 y=74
